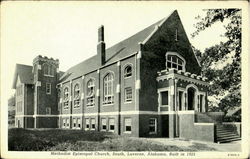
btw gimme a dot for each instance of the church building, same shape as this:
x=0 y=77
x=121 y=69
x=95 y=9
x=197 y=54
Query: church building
x=148 y=85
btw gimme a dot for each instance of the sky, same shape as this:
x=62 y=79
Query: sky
x=68 y=30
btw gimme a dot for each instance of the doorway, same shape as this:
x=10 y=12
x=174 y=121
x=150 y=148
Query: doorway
x=191 y=98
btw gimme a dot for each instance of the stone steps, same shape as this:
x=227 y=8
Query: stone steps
x=225 y=135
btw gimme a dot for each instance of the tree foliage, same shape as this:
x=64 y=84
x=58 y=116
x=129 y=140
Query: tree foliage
x=221 y=63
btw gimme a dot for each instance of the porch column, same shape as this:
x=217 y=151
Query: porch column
x=172 y=109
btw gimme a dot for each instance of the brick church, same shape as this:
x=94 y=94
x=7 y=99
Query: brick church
x=148 y=85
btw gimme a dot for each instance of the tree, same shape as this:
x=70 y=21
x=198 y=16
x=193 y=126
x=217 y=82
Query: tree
x=221 y=63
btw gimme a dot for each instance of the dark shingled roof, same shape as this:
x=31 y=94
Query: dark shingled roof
x=25 y=74
x=120 y=50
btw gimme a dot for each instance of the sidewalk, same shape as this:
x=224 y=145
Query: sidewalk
x=224 y=147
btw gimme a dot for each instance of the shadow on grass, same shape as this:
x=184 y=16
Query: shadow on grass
x=42 y=140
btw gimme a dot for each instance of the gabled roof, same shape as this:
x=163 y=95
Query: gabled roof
x=25 y=74
x=118 y=51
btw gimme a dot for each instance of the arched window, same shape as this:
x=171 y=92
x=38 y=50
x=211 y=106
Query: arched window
x=175 y=61
x=49 y=70
x=76 y=96
x=90 y=92
x=128 y=71
x=66 y=98
x=108 y=86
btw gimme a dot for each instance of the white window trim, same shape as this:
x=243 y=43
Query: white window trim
x=179 y=56
x=125 y=95
x=108 y=83
x=91 y=124
x=109 y=124
x=124 y=69
x=92 y=96
x=65 y=100
x=103 y=124
x=77 y=98
x=127 y=132
x=155 y=119
x=50 y=67
x=87 y=119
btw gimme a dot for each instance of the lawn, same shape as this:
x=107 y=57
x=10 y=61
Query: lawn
x=79 y=140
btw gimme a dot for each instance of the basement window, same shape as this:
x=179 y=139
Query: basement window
x=152 y=126
x=86 y=124
x=112 y=125
x=104 y=124
x=92 y=124
x=127 y=123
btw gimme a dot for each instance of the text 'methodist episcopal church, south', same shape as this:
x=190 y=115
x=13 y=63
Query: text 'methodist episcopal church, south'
x=148 y=85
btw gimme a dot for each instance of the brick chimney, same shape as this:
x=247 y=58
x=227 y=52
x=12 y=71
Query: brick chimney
x=101 y=45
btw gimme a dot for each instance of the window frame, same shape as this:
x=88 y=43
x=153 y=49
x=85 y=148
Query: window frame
x=103 y=123
x=109 y=121
x=87 y=124
x=78 y=123
x=126 y=99
x=126 y=73
x=67 y=123
x=66 y=100
x=108 y=89
x=178 y=58
x=90 y=89
x=48 y=84
x=125 y=126
x=76 y=100
x=155 y=125
x=48 y=70
x=92 y=123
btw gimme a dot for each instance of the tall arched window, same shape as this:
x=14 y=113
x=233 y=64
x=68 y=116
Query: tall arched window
x=128 y=71
x=49 y=70
x=66 y=98
x=108 y=86
x=91 y=92
x=76 y=96
x=175 y=61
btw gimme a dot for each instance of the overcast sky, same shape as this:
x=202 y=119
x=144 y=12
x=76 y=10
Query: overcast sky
x=68 y=30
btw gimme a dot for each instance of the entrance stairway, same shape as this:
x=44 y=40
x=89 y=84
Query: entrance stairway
x=225 y=134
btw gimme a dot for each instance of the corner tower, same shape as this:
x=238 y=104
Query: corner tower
x=46 y=75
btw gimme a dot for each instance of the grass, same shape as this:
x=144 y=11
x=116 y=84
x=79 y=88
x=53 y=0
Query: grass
x=79 y=140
